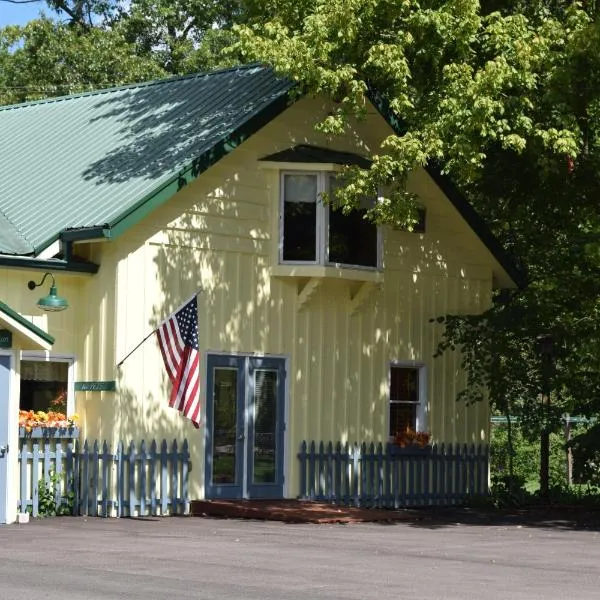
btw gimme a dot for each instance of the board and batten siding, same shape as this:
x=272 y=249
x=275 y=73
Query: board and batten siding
x=220 y=234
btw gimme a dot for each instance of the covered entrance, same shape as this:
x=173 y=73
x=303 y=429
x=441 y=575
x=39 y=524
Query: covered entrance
x=245 y=423
x=16 y=333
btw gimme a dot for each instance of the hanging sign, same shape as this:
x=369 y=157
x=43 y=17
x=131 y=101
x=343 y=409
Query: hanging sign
x=95 y=386
x=5 y=338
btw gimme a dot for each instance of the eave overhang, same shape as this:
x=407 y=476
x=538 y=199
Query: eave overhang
x=50 y=264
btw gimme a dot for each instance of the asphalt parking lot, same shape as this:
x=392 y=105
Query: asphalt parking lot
x=70 y=558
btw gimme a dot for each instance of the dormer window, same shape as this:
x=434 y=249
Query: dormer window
x=312 y=232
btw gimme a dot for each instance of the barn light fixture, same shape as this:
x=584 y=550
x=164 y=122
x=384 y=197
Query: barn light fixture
x=52 y=302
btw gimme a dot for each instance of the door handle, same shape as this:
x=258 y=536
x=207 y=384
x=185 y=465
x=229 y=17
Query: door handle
x=241 y=437
x=3 y=450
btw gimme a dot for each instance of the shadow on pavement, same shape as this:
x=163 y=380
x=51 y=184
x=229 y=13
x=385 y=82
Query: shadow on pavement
x=553 y=517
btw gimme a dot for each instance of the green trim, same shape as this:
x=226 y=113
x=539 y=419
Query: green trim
x=5 y=338
x=462 y=205
x=51 y=264
x=85 y=233
x=192 y=171
x=95 y=386
x=13 y=314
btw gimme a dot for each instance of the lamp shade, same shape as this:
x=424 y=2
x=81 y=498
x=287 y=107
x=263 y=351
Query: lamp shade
x=52 y=302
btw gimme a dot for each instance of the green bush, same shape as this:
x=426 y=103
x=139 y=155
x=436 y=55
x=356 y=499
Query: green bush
x=526 y=459
x=47 y=505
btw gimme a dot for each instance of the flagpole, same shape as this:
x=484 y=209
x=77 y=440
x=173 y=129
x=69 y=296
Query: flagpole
x=154 y=330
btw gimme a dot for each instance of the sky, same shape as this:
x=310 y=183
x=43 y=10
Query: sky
x=19 y=14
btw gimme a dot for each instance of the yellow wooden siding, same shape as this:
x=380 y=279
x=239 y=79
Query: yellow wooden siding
x=222 y=236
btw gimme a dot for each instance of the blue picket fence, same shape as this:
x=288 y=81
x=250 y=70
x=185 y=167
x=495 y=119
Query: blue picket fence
x=134 y=480
x=392 y=477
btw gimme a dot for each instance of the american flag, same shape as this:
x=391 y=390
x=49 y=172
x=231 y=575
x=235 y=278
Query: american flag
x=178 y=341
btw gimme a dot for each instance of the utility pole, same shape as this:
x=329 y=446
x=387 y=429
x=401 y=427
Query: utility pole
x=545 y=344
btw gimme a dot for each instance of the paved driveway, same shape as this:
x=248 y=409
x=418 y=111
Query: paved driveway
x=73 y=559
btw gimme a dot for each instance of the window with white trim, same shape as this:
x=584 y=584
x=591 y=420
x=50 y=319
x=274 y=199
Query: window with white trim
x=312 y=232
x=46 y=384
x=406 y=398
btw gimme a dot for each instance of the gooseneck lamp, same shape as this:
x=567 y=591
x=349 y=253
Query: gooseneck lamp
x=52 y=302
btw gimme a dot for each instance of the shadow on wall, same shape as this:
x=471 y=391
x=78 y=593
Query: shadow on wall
x=239 y=301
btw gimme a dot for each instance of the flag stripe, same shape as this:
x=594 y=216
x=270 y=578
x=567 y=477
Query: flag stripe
x=166 y=353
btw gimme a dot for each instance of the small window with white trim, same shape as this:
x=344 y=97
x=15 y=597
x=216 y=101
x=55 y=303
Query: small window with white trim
x=314 y=233
x=46 y=384
x=406 y=399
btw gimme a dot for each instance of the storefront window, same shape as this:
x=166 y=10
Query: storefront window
x=44 y=385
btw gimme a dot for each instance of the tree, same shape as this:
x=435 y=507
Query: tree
x=46 y=58
x=505 y=96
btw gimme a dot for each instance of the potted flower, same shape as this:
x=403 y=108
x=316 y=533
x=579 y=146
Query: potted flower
x=51 y=423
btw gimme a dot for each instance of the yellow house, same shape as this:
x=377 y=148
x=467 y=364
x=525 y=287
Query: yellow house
x=312 y=325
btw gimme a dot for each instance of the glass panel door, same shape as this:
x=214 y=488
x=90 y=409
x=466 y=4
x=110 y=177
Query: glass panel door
x=265 y=422
x=266 y=427
x=225 y=427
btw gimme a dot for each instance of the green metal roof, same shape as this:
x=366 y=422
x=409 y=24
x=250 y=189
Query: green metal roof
x=103 y=160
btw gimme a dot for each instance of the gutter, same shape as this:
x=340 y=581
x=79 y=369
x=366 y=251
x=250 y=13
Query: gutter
x=50 y=264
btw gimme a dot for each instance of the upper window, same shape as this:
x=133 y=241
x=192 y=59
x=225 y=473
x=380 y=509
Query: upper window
x=405 y=399
x=315 y=233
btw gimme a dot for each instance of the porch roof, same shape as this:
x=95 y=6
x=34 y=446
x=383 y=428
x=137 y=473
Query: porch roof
x=31 y=336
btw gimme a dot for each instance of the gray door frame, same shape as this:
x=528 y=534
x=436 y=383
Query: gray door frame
x=246 y=365
x=6 y=422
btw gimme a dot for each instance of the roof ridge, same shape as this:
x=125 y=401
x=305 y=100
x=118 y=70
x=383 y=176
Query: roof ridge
x=100 y=91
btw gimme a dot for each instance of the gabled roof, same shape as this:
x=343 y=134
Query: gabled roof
x=91 y=165
x=89 y=161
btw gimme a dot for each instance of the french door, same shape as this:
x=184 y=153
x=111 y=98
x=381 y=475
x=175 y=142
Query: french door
x=245 y=406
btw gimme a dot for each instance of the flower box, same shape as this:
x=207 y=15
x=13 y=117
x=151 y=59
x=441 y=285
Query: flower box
x=411 y=450
x=55 y=433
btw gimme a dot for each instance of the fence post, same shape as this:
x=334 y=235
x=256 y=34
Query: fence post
x=153 y=470
x=337 y=457
x=105 y=487
x=132 y=496
x=355 y=473
x=174 y=468
x=184 y=478
x=93 y=509
x=120 y=480
x=24 y=457
x=164 y=478
x=302 y=457
x=345 y=460
x=329 y=484
x=311 y=471
x=77 y=478
x=142 y=462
